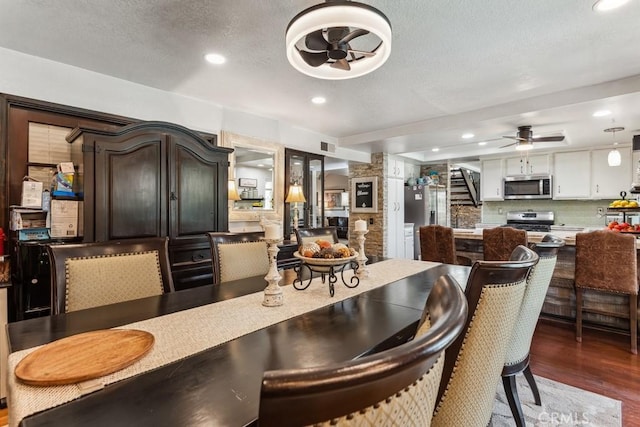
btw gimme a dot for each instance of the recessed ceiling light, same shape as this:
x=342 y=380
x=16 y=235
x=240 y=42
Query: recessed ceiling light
x=318 y=100
x=467 y=135
x=601 y=113
x=482 y=143
x=435 y=149
x=260 y=165
x=605 y=5
x=215 y=58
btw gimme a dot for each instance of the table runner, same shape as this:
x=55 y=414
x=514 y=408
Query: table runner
x=181 y=334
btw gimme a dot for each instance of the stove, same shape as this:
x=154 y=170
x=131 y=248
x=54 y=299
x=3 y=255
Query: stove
x=531 y=220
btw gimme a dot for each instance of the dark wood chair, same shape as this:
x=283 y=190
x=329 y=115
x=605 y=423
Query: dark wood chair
x=238 y=255
x=607 y=262
x=397 y=386
x=494 y=292
x=438 y=244
x=499 y=242
x=304 y=235
x=86 y=275
x=517 y=358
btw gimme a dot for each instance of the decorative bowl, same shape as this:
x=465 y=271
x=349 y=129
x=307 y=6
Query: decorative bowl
x=325 y=261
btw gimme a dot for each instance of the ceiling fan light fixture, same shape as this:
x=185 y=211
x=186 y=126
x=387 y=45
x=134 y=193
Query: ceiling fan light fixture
x=524 y=146
x=339 y=13
x=606 y=5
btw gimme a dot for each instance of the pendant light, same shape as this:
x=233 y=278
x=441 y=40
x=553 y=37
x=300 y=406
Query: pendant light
x=614 y=158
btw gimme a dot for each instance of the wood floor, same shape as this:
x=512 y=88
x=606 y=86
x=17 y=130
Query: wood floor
x=602 y=364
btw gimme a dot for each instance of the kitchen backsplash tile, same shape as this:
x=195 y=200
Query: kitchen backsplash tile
x=580 y=213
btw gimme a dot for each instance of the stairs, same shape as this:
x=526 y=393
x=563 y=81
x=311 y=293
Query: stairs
x=465 y=188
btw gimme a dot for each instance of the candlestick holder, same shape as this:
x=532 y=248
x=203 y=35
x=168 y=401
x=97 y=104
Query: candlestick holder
x=363 y=270
x=273 y=292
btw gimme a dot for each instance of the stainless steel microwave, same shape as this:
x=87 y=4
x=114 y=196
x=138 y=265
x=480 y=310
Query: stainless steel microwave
x=528 y=187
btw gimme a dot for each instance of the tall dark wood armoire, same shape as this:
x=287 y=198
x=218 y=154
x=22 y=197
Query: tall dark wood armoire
x=154 y=179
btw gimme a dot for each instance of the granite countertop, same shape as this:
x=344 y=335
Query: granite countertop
x=569 y=237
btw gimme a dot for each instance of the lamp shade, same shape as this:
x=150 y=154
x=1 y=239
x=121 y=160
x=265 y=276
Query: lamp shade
x=614 y=158
x=233 y=191
x=295 y=194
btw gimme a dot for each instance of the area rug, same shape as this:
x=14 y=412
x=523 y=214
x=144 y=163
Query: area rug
x=562 y=405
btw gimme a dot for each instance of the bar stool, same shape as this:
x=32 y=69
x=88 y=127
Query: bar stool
x=438 y=244
x=606 y=261
x=499 y=242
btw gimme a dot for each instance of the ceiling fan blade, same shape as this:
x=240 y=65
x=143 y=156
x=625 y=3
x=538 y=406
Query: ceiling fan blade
x=314 y=59
x=509 y=145
x=548 y=139
x=353 y=34
x=316 y=41
x=361 y=52
x=517 y=138
x=341 y=64
x=335 y=34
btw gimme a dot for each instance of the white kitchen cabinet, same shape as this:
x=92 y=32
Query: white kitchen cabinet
x=491 y=184
x=394 y=219
x=572 y=175
x=608 y=181
x=527 y=165
x=394 y=167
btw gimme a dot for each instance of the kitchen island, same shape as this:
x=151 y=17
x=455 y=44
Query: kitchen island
x=560 y=303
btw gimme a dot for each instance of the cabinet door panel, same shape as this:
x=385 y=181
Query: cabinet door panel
x=491 y=180
x=130 y=197
x=194 y=197
x=607 y=181
x=572 y=175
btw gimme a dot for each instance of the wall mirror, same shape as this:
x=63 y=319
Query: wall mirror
x=256 y=168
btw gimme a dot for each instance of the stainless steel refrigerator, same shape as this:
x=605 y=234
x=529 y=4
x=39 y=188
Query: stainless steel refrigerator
x=424 y=205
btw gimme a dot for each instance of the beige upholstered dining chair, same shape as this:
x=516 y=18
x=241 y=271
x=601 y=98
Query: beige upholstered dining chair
x=438 y=244
x=393 y=387
x=474 y=361
x=86 y=275
x=499 y=242
x=238 y=255
x=517 y=358
x=607 y=262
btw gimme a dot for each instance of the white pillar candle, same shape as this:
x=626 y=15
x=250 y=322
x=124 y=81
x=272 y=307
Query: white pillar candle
x=361 y=225
x=272 y=231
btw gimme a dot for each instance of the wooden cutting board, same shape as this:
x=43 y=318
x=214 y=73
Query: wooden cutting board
x=83 y=357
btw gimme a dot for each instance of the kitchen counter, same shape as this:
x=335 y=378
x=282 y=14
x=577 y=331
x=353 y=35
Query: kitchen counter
x=569 y=237
x=559 y=303
x=568 y=234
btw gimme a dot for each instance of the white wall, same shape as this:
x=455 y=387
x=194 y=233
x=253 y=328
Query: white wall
x=38 y=78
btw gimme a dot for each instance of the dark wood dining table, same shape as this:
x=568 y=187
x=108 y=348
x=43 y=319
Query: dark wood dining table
x=221 y=386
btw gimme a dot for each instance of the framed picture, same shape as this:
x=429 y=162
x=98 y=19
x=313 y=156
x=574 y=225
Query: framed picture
x=364 y=194
x=333 y=200
x=247 y=182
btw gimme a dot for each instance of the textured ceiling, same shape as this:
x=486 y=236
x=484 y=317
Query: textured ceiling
x=456 y=66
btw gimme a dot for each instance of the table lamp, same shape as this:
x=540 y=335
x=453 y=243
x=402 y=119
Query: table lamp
x=295 y=195
x=233 y=191
x=232 y=194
